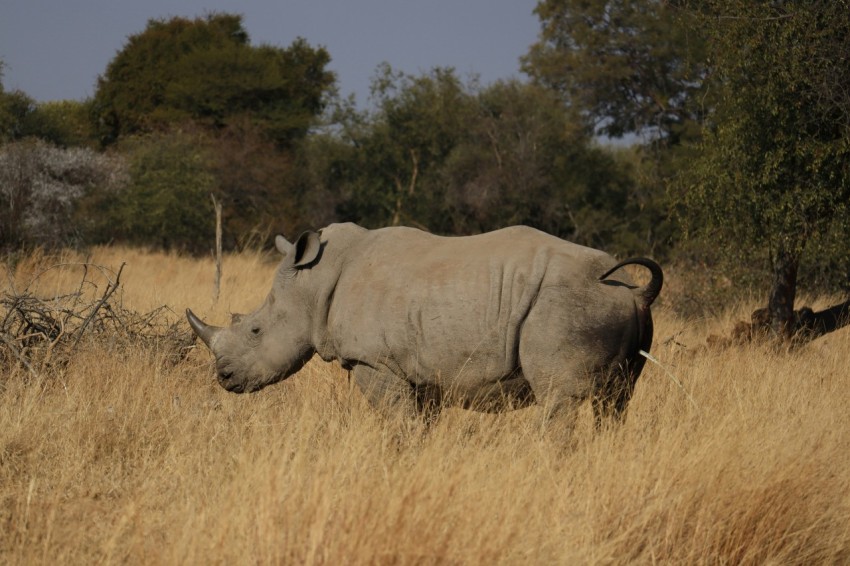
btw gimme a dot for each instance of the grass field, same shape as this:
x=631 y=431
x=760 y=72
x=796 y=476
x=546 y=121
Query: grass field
x=120 y=456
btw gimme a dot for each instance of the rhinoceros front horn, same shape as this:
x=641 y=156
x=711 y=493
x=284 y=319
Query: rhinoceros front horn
x=204 y=331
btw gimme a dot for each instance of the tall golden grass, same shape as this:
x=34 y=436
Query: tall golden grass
x=120 y=457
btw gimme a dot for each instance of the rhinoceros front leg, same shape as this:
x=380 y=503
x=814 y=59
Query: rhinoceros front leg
x=394 y=396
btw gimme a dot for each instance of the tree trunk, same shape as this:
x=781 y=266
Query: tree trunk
x=217 y=208
x=782 y=293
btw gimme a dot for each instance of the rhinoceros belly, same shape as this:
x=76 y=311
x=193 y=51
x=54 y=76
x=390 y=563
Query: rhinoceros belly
x=452 y=323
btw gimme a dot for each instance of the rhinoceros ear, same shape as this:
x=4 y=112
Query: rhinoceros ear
x=307 y=249
x=282 y=245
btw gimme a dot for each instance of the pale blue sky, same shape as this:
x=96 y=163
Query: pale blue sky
x=55 y=49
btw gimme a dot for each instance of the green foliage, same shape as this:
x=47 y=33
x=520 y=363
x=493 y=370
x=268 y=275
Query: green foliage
x=204 y=70
x=15 y=108
x=202 y=111
x=393 y=178
x=166 y=203
x=457 y=159
x=524 y=160
x=65 y=123
x=774 y=171
x=628 y=66
x=766 y=84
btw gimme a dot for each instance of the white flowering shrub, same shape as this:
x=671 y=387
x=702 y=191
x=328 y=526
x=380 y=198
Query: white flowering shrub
x=41 y=184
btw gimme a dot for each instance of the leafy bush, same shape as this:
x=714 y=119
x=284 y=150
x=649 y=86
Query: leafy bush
x=166 y=201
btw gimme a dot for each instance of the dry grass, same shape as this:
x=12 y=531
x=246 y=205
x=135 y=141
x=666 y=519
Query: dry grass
x=124 y=458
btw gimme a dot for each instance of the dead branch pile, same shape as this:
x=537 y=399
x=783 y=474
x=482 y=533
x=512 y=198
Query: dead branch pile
x=40 y=333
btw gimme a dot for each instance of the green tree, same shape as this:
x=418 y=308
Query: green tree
x=524 y=160
x=64 y=123
x=458 y=159
x=628 y=66
x=393 y=178
x=773 y=173
x=204 y=70
x=166 y=201
x=15 y=107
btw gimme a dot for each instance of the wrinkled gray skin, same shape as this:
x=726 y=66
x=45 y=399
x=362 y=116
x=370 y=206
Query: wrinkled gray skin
x=504 y=318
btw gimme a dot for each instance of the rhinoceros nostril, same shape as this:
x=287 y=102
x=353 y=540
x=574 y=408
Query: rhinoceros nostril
x=225 y=375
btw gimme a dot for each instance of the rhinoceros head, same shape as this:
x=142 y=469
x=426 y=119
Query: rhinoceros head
x=273 y=342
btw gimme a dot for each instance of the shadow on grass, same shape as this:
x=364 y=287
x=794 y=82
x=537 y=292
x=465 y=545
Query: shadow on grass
x=808 y=325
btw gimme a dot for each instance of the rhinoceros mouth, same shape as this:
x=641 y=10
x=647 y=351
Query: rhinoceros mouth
x=235 y=387
x=249 y=387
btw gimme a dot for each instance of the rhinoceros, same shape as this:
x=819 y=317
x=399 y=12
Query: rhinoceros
x=424 y=321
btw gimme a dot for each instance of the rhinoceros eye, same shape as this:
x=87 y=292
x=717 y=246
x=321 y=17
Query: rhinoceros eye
x=255 y=330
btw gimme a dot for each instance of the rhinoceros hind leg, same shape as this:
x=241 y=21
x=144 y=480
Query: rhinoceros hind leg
x=559 y=394
x=560 y=380
x=612 y=393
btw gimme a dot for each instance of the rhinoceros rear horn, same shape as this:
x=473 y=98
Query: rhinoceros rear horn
x=204 y=331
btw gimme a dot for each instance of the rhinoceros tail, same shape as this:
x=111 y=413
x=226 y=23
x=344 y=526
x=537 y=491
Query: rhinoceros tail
x=650 y=291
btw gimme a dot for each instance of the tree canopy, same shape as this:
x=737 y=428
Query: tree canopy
x=15 y=106
x=206 y=71
x=457 y=158
x=773 y=172
x=746 y=104
x=629 y=66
